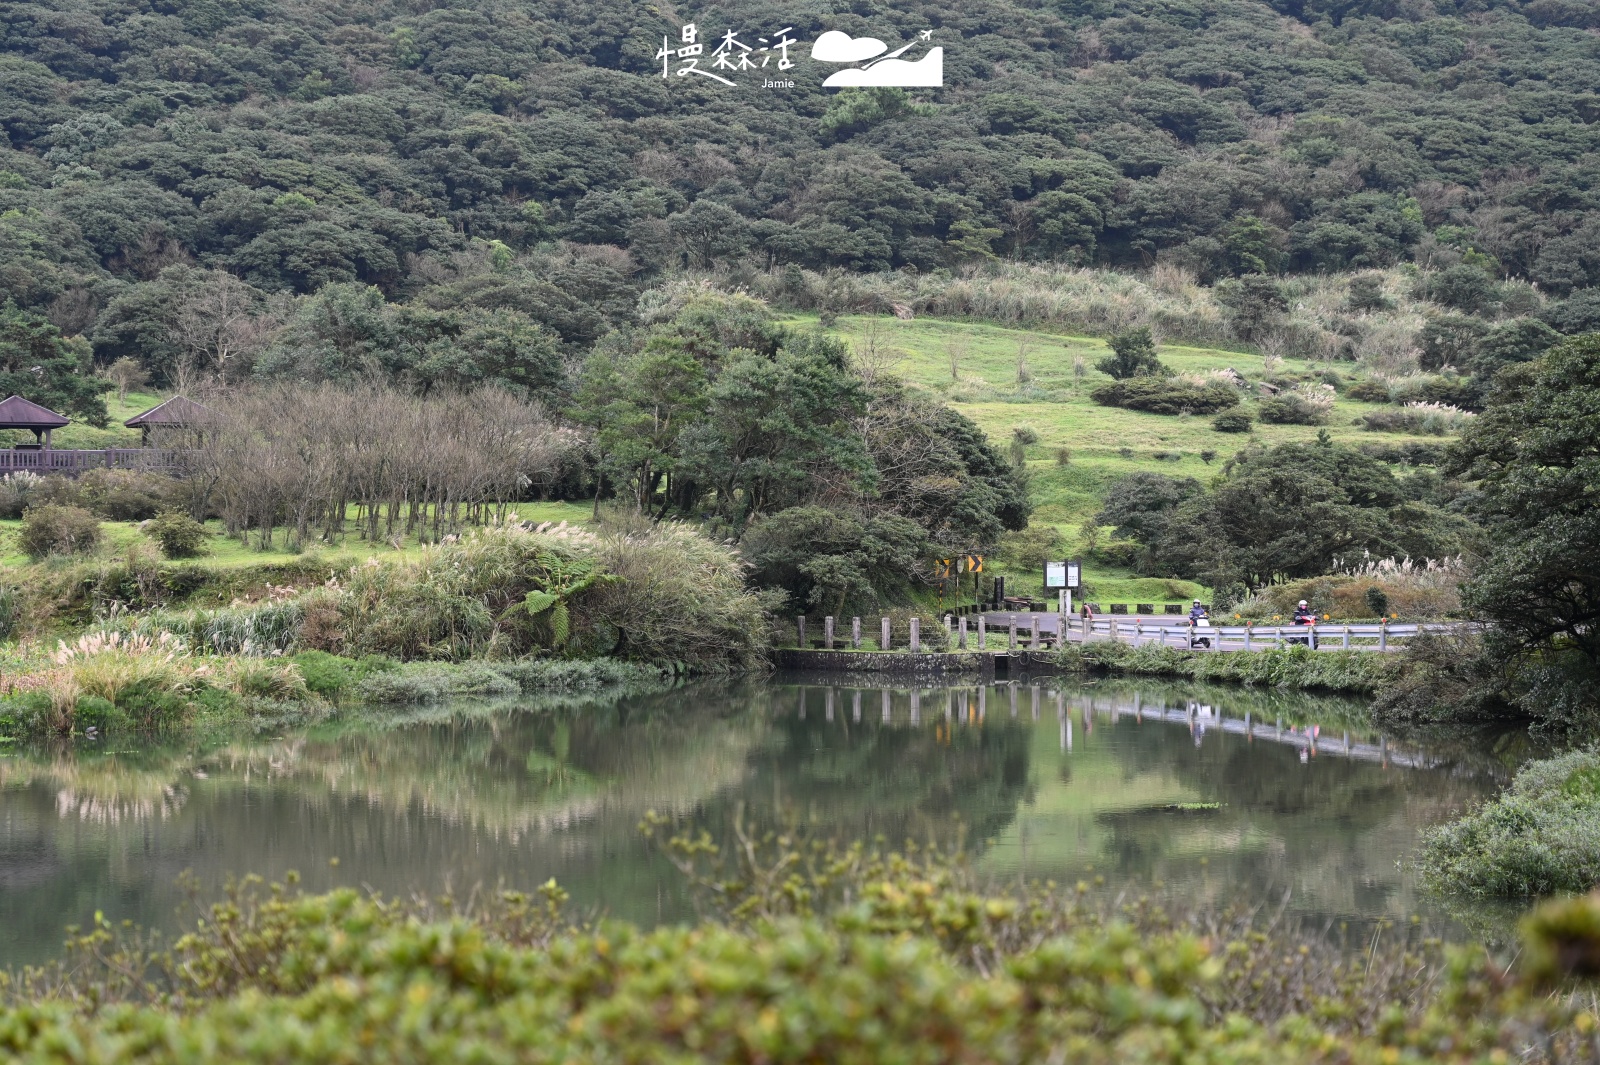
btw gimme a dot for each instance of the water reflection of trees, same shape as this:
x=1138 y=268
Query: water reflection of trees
x=858 y=779
x=466 y=795
x=472 y=794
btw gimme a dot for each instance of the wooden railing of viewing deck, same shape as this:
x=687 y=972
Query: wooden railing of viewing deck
x=70 y=462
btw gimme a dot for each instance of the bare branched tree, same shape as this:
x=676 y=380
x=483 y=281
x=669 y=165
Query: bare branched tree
x=310 y=460
x=220 y=327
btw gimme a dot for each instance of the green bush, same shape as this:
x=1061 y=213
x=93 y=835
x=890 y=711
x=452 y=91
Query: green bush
x=1164 y=395
x=332 y=676
x=55 y=529
x=823 y=954
x=178 y=535
x=124 y=495
x=1369 y=391
x=94 y=712
x=1540 y=836
x=1377 y=601
x=1236 y=420
x=1290 y=408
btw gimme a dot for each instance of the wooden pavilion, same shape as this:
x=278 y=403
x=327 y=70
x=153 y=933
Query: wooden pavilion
x=19 y=413
x=171 y=418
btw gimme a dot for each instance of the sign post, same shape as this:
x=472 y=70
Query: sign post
x=1063 y=577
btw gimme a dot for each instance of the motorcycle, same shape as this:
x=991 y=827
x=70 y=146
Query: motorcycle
x=1200 y=632
x=1310 y=637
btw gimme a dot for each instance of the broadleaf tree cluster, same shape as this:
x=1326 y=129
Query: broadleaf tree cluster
x=842 y=484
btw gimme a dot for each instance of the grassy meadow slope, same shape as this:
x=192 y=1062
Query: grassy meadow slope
x=1100 y=443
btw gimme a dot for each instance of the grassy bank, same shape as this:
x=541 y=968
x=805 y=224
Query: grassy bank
x=1541 y=835
x=494 y=611
x=1348 y=672
x=832 y=954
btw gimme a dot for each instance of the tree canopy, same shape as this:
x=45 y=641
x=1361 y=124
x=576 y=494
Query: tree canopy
x=1535 y=454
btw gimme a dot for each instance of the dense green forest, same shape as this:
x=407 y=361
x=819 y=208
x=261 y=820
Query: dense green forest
x=511 y=177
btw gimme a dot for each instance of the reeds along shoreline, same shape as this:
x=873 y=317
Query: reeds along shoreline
x=493 y=611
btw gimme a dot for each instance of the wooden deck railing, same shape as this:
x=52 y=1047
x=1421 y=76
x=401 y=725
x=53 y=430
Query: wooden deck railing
x=59 y=461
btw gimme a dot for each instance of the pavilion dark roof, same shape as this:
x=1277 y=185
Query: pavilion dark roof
x=177 y=411
x=19 y=413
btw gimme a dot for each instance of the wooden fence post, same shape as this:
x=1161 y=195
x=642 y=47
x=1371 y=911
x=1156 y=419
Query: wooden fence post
x=827 y=632
x=886 y=644
x=855 y=634
x=800 y=627
x=961 y=634
x=916 y=635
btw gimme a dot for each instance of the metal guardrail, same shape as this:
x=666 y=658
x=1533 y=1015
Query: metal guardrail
x=1032 y=630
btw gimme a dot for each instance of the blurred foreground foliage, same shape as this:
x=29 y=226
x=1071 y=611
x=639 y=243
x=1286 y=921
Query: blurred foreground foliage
x=808 y=952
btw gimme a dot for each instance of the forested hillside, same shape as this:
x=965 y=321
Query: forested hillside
x=514 y=175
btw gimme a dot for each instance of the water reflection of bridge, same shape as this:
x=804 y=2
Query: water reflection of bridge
x=971 y=706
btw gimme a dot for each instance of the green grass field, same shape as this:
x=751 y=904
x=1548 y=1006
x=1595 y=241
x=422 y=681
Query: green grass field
x=227 y=551
x=1101 y=443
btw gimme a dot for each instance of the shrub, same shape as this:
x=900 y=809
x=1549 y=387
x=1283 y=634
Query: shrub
x=94 y=712
x=1029 y=549
x=1133 y=354
x=1295 y=408
x=677 y=597
x=124 y=495
x=1370 y=390
x=1541 y=835
x=332 y=675
x=1433 y=388
x=55 y=529
x=1428 y=419
x=178 y=535
x=17 y=492
x=815 y=952
x=1411 y=453
x=268 y=679
x=1236 y=420
x=1160 y=395
x=1377 y=601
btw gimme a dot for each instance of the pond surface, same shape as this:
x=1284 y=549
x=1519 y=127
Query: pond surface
x=1059 y=778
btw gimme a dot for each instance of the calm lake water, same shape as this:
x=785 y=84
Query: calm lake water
x=1058 y=778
